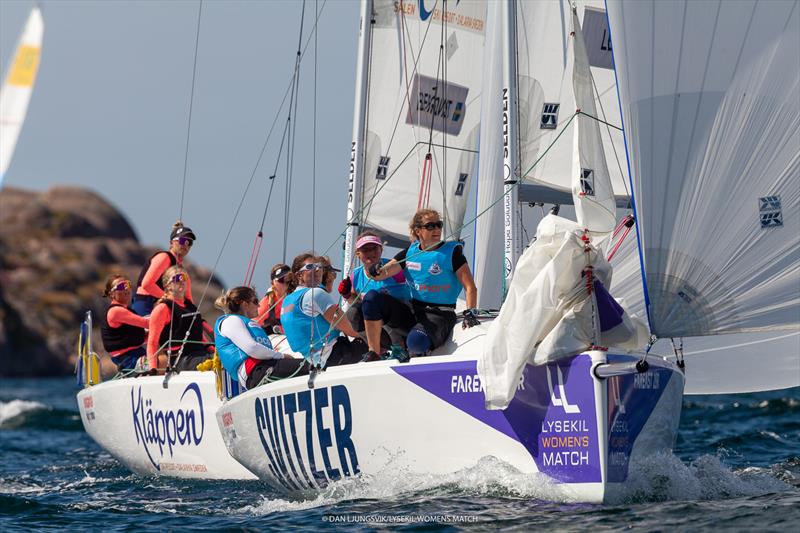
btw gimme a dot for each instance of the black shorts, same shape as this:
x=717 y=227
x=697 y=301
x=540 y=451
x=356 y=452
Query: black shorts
x=437 y=322
x=398 y=319
x=190 y=359
x=346 y=352
x=281 y=368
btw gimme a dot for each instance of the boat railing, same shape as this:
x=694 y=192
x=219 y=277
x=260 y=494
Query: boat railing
x=87 y=365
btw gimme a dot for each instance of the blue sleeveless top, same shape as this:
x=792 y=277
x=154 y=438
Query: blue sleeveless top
x=231 y=355
x=391 y=286
x=298 y=326
x=430 y=275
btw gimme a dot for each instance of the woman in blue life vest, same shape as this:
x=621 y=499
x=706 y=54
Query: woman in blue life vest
x=312 y=319
x=242 y=344
x=378 y=310
x=123 y=331
x=436 y=271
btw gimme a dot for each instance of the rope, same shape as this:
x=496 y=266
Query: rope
x=191 y=102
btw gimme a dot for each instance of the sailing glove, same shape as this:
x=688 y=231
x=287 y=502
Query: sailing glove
x=346 y=287
x=469 y=319
x=375 y=270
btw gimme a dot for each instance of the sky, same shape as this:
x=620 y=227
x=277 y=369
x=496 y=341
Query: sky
x=110 y=112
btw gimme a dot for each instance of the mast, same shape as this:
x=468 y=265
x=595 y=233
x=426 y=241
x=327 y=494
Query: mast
x=511 y=167
x=357 y=149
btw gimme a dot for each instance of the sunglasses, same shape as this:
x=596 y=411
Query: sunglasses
x=311 y=266
x=122 y=286
x=280 y=280
x=254 y=301
x=184 y=241
x=178 y=278
x=430 y=226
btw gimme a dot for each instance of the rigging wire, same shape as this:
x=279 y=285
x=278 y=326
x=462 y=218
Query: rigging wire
x=191 y=102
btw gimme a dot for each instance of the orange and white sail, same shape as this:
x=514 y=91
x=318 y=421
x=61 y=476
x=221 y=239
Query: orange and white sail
x=18 y=86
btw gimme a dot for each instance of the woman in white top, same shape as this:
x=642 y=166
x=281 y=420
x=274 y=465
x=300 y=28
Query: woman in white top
x=242 y=344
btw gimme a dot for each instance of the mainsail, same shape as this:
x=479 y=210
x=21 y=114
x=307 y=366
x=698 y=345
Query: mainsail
x=709 y=94
x=422 y=112
x=18 y=87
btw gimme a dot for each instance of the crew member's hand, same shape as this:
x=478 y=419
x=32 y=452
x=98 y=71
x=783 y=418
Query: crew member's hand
x=374 y=271
x=346 y=287
x=469 y=319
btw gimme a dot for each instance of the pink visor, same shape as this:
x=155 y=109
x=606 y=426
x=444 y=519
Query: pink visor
x=369 y=239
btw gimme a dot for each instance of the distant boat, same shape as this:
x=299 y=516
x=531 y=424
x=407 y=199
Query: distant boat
x=18 y=87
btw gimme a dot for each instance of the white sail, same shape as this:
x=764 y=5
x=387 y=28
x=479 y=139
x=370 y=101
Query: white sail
x=424 y=94
x=709 y=94
x=547 y=98
x=488 y=271
x=18 y=87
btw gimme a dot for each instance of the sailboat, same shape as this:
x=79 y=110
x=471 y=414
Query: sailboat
x=18 y=87
x=578 y=418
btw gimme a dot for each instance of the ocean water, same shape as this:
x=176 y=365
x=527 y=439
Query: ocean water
x=736 y=466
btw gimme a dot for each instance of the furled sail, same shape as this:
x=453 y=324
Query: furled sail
x=424 y=95
x=18 y=87
x=709 y=94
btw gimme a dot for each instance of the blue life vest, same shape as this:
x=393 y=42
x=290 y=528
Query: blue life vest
x=231 y=355
x=430 y=275
x=298 y=326
x=362 y=284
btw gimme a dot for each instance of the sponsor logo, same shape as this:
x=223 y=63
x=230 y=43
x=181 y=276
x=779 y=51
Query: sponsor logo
x=438 y=105
x=587 y=181
x=159 y=431
x=435 y=269
x=324 y=417
x=88 y=402
x=549 y=119
x=413 y=265
x=560 y=400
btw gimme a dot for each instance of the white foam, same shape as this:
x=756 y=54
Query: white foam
x=662 y=477
x=490 y=477
x=14 y=408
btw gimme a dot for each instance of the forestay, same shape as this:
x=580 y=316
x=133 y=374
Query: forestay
x=709 y=95
x=18 y=87
x=422 y=99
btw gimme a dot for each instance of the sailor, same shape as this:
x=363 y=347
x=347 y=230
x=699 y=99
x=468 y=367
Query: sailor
x=242 y=344
x=149 y=287
x=174 y=320
x=269 y=308
x=312 y=319
x=123 y=331
x=436 y=272
x=378 y=310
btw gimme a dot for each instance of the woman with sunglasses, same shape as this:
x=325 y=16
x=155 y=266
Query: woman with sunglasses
x=436 y=271
x=243 y=347
x=174 y=320
x=122 y=330
x=269 y=309
x=149 y=287
x=312 y=319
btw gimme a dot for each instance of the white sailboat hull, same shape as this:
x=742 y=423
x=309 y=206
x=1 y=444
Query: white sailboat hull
x=427 y=417
x=154 y=430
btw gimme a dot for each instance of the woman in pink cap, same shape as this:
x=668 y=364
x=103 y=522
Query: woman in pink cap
x=385 y=301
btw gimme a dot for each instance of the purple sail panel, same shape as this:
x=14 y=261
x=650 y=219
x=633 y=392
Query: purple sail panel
x=552 y=413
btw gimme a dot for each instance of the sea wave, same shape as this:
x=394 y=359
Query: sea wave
x=26 y=414
x=658 y=478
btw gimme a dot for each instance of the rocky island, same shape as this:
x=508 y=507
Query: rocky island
x=56 y=249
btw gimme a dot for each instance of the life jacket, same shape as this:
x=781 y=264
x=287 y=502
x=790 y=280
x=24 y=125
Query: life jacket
x=122 y=337
x=172 y=261
x=231 y=355
x=273 y=316
x=298 y=326
x=430 y=274
x=180 y=324
x=395 y=286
